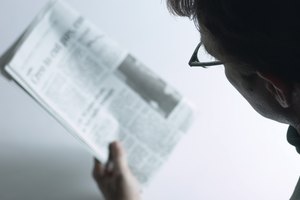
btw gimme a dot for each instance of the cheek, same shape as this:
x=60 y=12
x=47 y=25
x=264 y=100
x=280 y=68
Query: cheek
x=247 y=86
x=253 y=89
x=234 y=79
x=243 y=84
x=230 y=77
x=233 y=76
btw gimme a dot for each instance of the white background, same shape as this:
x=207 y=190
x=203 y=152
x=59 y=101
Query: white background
x=230 y=153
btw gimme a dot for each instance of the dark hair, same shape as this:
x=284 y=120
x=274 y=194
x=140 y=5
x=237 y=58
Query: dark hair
x=264 y=34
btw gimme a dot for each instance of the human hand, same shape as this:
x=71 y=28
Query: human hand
x=114 y=178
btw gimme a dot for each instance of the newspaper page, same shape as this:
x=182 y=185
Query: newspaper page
x=97 y=90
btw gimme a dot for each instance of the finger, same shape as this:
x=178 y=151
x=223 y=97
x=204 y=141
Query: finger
x=110 y=154
x=118 y=155
x=98 y=169
x=109 y=166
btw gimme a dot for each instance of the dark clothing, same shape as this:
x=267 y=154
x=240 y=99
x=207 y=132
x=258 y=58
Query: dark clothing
x=294 y=139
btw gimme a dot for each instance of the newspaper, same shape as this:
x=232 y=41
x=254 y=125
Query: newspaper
x=97 y=90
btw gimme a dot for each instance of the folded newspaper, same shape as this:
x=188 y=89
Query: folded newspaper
x=97 y=90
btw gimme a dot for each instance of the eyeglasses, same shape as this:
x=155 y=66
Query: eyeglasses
x=201 y=58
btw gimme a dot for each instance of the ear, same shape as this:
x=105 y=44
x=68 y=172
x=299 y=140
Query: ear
x=278 y=87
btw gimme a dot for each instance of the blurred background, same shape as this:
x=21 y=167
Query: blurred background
x=230 y=152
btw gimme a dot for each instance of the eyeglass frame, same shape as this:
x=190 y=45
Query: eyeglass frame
x=194 y=61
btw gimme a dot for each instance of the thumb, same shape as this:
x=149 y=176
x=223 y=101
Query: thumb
x=118 y=156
